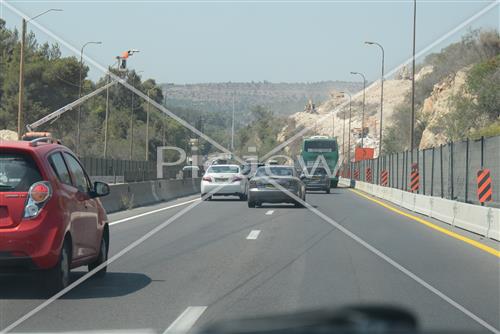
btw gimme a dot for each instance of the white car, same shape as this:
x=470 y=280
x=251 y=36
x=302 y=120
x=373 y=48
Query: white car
x=224 y=180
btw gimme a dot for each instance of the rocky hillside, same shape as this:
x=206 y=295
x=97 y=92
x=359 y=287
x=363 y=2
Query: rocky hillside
x=321 y=122
x=456 y=97
x=281 y=98
x=437 y=106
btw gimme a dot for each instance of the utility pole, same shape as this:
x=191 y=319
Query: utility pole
x=232 y=128
x=147 y=127
x=363 y=113
x=20 y=118
x=132 y=117
x=349 y=128
x=79 y=116
x=381 y=96
x=343 y=136
x=333 y=124
x=106 y=120
x=412 y=132
x=20 y=107
x=131 y=128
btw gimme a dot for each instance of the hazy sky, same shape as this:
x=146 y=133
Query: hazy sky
x=217 y=41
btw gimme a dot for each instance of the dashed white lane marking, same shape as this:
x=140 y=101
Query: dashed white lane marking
x=270 y=212
x=151 y=212
x=254 y=234
x=186 y=320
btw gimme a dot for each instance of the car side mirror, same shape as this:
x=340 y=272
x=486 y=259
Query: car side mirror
x=302 y=176
x=100 y=189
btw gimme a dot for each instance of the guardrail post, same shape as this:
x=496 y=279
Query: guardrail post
x=441 y=169
x=397 y=170
x=450 y=172
x=403 y=162
x=432 y=172
x=482 y=152
x=423 y=171
x=482 y=158
x=466 y=170
x=419 y=191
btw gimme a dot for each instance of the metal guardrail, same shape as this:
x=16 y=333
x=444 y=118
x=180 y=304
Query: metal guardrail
x=125 y=170
x=447 y=171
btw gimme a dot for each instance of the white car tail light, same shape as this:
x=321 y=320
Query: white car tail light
x=38 y=194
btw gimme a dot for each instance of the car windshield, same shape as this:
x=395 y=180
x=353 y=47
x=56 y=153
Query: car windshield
x=263 y=157
x=320 y=146
x=223 y=169
x=17 y=172
x=274 y=171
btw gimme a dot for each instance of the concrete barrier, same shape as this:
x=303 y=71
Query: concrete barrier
x=494 y=228
x=131 y=195
x=117 y=199
x=344 y=182
x=478 y=219
x=408 y=201
x=423 y=204
x=443 y=209
x=472 y=218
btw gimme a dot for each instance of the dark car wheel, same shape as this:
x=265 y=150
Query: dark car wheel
x=102 y=258
x=243 y=197
x=251 y=204
x=327 y=190
x=58 y=278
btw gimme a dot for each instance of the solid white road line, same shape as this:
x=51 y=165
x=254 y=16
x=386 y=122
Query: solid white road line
x=186 y=320
x=270 y=212
x=254 y=234
x=151 y=212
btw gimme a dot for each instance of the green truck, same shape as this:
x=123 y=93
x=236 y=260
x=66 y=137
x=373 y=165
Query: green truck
x=316 y=146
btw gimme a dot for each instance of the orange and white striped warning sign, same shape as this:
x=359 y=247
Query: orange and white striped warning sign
x=384 y=178
x=414 y=178
x=484 y=188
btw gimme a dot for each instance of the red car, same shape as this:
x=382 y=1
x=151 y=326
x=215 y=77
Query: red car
x=50 y=215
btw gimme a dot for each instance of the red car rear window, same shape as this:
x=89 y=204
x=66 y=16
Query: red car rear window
x=18 y=172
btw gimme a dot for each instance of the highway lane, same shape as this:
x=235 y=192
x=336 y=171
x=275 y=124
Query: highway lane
x=297 y=261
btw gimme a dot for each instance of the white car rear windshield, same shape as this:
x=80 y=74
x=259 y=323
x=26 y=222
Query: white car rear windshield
x=223 y=169
x=274 y=171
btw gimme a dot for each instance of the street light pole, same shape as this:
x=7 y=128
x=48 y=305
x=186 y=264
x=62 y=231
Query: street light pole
x=412 y=132
x=20 y=114
x=77 y=142
x=232 y=128
x=381 y=96
x=20 y=107
x=363 y=113
x=132 y=121
x=131 y=128
x=147 y=126
x=349 y=127
x=333 y=124
x=106 y=117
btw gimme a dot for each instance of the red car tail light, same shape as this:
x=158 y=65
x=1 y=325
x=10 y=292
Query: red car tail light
x=38 y=194
x=207 y=178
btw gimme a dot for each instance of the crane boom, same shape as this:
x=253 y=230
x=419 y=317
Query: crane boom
x=67 y=107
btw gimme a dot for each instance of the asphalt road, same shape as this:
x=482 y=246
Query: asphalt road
x=231 y=262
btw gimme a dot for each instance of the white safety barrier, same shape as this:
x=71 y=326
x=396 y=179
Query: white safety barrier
x=478 y=219
x=130 y=195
